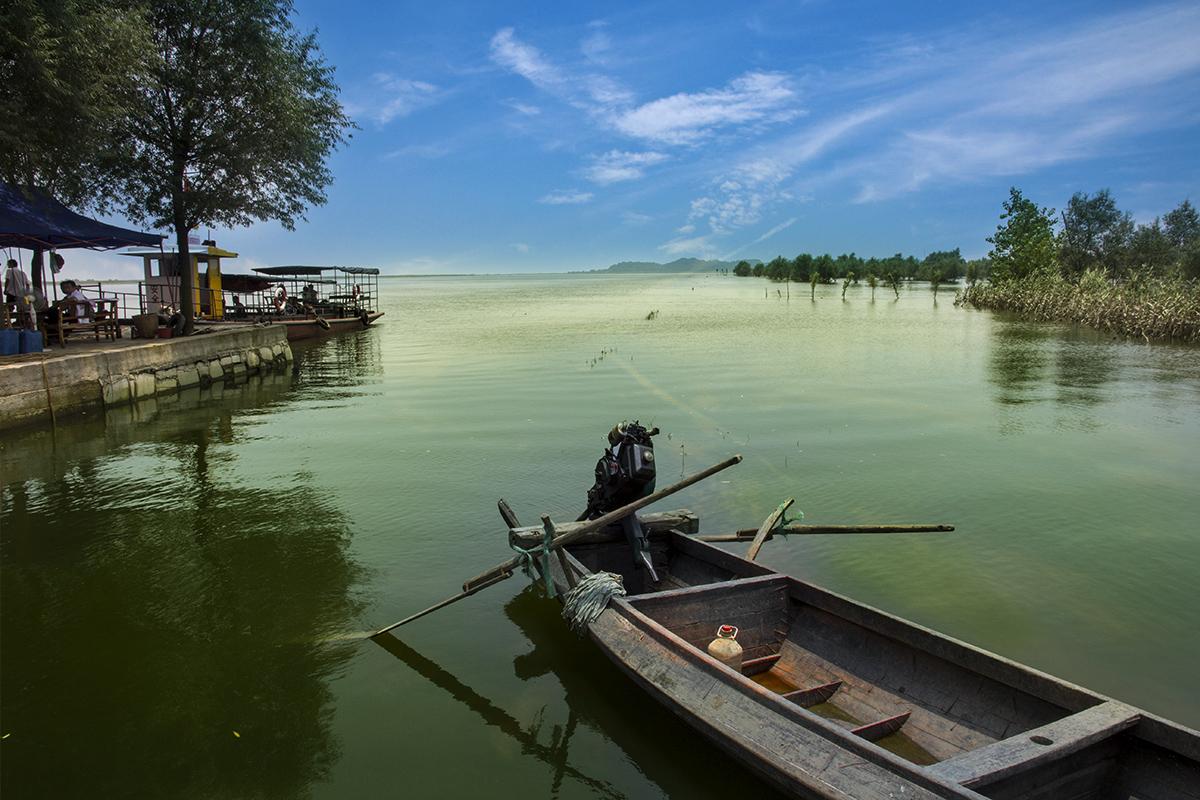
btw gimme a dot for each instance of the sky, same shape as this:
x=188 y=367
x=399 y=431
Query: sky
x=506 y=137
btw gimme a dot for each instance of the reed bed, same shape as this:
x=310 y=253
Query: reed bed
x=1153 y=308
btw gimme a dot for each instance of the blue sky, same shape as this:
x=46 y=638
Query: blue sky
x=552 y=137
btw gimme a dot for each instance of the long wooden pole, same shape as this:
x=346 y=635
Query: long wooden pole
x=505 y=570
x=796 y=529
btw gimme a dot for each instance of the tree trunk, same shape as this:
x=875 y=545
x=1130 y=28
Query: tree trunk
x=187 y=288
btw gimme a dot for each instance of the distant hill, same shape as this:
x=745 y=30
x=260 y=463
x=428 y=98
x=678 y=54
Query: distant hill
x=678 y=265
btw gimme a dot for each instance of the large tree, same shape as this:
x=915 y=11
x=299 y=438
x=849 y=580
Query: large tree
x=231 y=123
x=63 y=66
x=1023 y=244
x=1095 y=233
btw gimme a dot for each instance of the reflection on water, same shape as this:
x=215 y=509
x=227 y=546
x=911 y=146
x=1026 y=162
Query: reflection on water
x=1018 y=363
x=154 y=605
x=598 y=698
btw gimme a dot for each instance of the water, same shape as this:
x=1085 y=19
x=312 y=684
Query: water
x=167 y=572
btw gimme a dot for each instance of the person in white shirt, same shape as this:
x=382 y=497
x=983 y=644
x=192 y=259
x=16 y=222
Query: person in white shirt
x=75 y=304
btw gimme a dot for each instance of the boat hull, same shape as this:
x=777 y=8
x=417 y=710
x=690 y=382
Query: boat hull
x=979 y=725
x=298 y=329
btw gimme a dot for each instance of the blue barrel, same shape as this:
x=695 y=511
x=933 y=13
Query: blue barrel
x=31 y=341
x=10 y=342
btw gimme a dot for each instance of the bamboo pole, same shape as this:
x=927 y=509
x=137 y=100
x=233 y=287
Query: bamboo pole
x=796 y=529
x=500 y=572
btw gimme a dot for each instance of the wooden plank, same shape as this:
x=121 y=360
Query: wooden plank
x=806 y=698
x=507 y=514
x=874 y=731
x=768 y=524
x=1038 y=746
x=753 y=666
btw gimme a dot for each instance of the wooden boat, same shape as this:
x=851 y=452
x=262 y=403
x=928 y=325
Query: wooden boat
x=836 y=699
x=317 y=301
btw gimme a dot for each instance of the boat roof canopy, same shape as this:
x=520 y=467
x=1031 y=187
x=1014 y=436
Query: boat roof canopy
x=316 y=270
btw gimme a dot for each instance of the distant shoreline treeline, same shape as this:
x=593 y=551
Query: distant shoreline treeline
x=940 y=265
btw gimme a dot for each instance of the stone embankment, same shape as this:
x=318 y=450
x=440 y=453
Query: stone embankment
x=35 y=389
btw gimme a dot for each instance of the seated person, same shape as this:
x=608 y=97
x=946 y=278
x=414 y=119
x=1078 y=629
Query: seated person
x=238 y=308
x=308 y=294
x=75 y=304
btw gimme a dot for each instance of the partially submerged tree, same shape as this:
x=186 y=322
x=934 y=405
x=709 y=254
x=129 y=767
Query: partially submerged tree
x=893 y=280
x=872 y=281
x=814 y=278
x=232 y=123
x=1023 y=245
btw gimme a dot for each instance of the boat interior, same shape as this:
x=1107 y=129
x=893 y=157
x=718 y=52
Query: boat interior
x=966 y=716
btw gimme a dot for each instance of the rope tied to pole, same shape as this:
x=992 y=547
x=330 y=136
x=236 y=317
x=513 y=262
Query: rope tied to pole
x=784 y=520
x=540 y=552
x=587 y=601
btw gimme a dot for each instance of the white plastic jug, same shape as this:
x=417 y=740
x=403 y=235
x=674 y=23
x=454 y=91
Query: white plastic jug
x=725 y=648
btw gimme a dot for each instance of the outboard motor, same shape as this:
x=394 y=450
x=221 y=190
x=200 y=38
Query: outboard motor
x=623 y=474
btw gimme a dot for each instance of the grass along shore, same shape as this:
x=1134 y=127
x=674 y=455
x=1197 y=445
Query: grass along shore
x=1165 y=309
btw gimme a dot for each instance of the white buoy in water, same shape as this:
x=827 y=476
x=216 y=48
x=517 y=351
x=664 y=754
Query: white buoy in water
x=725 y=648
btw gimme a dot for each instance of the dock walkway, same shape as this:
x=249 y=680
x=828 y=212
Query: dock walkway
x=38 y=387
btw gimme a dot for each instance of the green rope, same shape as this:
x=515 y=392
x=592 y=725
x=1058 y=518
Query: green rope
x=540 y=552
x=785 y=520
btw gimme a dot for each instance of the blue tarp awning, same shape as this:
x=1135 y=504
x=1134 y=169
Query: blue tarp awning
x=36 y=220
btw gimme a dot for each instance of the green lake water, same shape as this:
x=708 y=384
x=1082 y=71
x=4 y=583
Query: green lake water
x=168 y=572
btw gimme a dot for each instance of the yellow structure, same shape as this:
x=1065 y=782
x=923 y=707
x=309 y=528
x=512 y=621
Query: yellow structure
x=161 y=286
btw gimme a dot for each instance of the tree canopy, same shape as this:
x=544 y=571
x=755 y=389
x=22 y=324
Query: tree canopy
x=1094 y=233
x=63 y=67
x=1023 y=244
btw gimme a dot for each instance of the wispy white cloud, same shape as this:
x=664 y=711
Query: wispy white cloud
x=597 y=45
x=749 y=101
x=777 y=229
x=635 y=218
x=390 y=97
x=589 y=91
x=524 y=108
x=618 y=165
x=698 y=246
x=525 y=60
x=521 y=247
x=970 y=109
x=686 y=118
x=419 y=151
x=568 y=197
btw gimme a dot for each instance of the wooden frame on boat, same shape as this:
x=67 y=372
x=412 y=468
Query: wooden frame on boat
x=836 y=699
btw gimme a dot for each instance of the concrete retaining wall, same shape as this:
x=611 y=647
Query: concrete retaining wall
x=112 y=377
